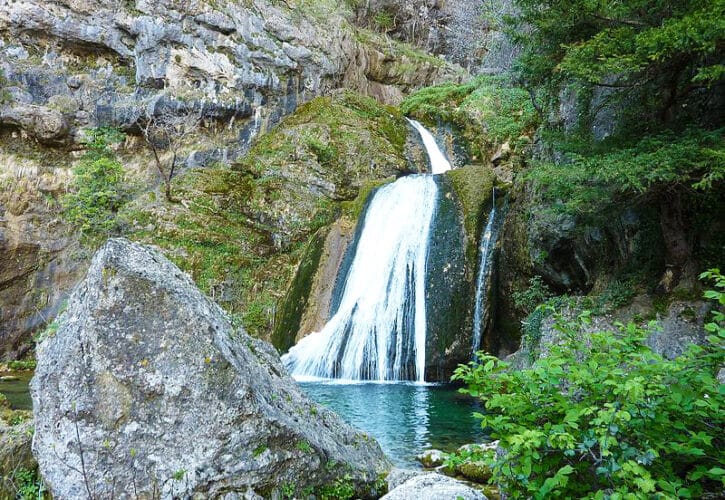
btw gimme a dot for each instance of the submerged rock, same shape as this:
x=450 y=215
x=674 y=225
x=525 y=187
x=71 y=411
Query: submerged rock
x=147 y=389
x=433 y=485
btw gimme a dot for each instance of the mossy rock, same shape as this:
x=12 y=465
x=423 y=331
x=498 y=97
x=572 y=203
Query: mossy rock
x=476 y=471
x=292 y=307
x=486 y=112
x=473 y=185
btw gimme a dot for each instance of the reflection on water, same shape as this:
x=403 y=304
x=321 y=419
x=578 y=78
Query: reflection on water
x=16 y=389
x=404 y=418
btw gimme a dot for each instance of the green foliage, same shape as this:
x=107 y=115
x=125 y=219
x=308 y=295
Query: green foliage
x=342 y=489
x=27 y=484
x=494 y=104
x=597 y=177
x=98 y=187
x=652 y=65
x=304 y=446
x=621 y=44
x=288 y=490
x=537 y=293
x=605 y=417
x=18 y=365
x=384 y=21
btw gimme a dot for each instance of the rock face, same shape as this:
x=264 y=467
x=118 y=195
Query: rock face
x=39 y=257
x=463 y=31
x=70 y=65
x=147 y=389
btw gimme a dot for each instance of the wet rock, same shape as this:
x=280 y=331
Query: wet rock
x=476 y=471
x=433 y=485
x=147 y=388
x=431 y=458
x=39 y=261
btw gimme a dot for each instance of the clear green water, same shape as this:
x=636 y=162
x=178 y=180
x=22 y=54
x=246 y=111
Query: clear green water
x=17 y=391
x=404 y=418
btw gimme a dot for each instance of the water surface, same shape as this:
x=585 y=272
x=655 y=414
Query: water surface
x=404 y=418
x=16 y=389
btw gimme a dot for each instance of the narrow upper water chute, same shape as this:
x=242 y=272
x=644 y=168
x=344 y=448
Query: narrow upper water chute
x=485 y=249
x=379 y=329
x=438 y=161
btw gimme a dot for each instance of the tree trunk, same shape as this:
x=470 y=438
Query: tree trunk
x=678 y=252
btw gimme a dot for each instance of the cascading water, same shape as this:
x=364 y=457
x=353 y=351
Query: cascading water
x=378 y=330
x=485 y=249
x=438 y=161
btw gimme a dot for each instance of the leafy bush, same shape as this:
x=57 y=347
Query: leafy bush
x=27 y=484
x=537 y=293
x=98 y=189
x=605 y=416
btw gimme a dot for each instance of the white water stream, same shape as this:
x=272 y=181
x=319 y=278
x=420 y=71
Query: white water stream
x=438 y=161
x=379 y=329
x=485 y=249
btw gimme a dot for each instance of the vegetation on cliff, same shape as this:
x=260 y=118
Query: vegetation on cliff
x=644 y=81
x=240 y=230
x=487 y=112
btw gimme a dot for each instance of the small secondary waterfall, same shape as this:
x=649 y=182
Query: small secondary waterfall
x=485 y=249
x=378 y=330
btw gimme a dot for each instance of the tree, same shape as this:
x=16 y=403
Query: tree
x=675 y=46
x=167 y=130
x=656 y=56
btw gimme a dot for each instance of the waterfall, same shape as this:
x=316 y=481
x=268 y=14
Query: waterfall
x=438 y=161
x=485 y=249
x=379 y=329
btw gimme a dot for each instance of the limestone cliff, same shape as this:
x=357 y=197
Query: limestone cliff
x=66 y=66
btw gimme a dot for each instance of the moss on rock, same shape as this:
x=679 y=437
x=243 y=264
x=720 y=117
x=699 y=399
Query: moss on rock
x=473 y=185
x=241 y=230
x=487 y=112
x=293 y=306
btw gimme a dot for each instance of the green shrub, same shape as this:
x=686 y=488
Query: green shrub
x=537 y=293
x=98 y=189
x=27 y=484
x=384 y=21
x=342 y=489
x=613 y=173
x=605 y=416
x=22 y=365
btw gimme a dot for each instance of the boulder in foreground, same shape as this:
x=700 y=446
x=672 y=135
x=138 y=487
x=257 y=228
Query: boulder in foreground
x=147 y=390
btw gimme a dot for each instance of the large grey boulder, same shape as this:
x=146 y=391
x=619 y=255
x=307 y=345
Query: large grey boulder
x=147 y=390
